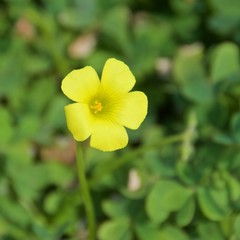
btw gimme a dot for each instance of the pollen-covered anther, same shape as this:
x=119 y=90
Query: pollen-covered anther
x=96 y=106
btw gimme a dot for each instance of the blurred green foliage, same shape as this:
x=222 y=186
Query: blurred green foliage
x=179 y=178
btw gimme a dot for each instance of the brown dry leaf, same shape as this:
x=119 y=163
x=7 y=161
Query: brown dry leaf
x=25 y=29
x=64 y=150
x=82 y=46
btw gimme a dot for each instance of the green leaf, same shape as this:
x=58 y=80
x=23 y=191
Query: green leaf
x=225 y=17
x=58 y=174
x=11 y=81
x=213 y=202
x=146 y=46
x=14 y=212
x=170 y=233
x=53 y=201
x=210 y=230
x=185 y=173
x=36 y=102
x=190 y=74
x=18 y=153
x=162 y=199
x=81 y=16
x=54 y=117
x=28 y=126
x=115 y=28
x=224 y=8
x=117 y=208
x=224 y=61
x=237 y=226
x=24 y=187
x=119 y=229
x=182 y=7
x=185 y=215
x=42 y=232
x=235 y=127
x=55 y=6
x=146 y=231
x=235 y=122
x=6 y=129
x=198 y=90
x=4 y=226
x=185 y=25
x=224 y=25
x=224 y=139
x=43 y=175
x=233 y=186
x=62 y=209
x=35 y=64
x=157 y=216
x=188 y=64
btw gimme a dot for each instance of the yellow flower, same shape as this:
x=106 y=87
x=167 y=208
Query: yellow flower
x=103 y=108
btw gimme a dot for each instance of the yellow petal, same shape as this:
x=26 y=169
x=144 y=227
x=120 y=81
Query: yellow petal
x=133 y=110
x=117 y=77
x=108 y=136
x=81 y=85
x=79 y=120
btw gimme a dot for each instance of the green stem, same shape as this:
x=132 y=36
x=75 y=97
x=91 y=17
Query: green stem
x=87 y=200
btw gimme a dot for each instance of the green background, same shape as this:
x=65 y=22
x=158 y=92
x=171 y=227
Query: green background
x=179 y=177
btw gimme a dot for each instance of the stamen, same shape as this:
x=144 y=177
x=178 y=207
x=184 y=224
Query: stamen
x=96 y=107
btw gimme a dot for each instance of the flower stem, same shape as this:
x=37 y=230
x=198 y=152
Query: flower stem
x=86 y=196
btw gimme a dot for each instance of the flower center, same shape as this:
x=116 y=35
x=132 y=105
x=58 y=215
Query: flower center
x=96 y=107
